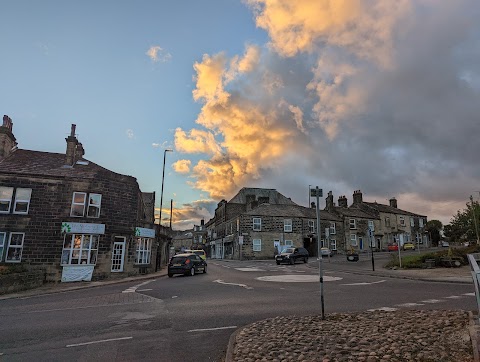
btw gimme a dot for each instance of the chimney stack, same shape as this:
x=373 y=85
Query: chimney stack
x=7 y=139
x=71 y=147
x=357 y=197
x=329 y=202
x=393 y=202
x=342 y=201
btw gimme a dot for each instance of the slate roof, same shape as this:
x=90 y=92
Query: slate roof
x=389 y=209
x=354 y=212
x=291 y=211
x=274 y=196
x=26 y=162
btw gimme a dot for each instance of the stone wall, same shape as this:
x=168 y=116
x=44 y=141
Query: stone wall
x=15 y=282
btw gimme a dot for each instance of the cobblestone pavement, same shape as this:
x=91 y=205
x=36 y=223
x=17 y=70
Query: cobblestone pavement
x=438 y=336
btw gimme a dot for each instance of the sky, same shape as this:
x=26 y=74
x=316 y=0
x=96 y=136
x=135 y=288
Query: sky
x=371 y=95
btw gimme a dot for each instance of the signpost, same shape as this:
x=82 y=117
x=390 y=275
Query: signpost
x=372 y=240
x=316 y=192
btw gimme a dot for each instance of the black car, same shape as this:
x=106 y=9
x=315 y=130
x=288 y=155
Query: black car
x=187 y=264
x=291 y=255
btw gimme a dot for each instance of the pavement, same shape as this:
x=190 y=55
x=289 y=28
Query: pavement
x=367 y=336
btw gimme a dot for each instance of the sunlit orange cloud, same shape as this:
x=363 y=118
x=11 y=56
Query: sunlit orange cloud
x=182 y=166
x=196 y=141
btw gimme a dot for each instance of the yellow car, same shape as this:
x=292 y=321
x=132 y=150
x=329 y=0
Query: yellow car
x=200 y=253
x=409 y=246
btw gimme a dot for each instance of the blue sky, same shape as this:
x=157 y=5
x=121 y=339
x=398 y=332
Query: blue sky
x=254 y=93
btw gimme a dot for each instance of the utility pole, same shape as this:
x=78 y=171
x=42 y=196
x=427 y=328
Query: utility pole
x=163 y=177
x=317 y=193
x=474 y=214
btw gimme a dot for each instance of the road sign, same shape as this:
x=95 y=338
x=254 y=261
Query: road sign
x=313 y=192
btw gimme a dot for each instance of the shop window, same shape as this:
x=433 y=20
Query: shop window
x=3 y=237
x=80 y=249
x=15 y=248
x=144 y=251
x=287 y=225
x=257 y=244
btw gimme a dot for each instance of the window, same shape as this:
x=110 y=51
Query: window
x=144 y=251
x=79 y=201
x=387 y=221
x=311 y=226
x=287 y=225
x=15 y=247
x=257 y=224
x=80 y=249
x=6 y=194
x=238 y=225
x=420 y=222
x=333 y=229
x=257 y=244
x=353 y=239
x=333 y=244
x=286 y=243
x=402 y=220
x=407 y=237
x=353 y=224
x=412 y=222
x=22 y=201
x=371 y=225
x=3 y=236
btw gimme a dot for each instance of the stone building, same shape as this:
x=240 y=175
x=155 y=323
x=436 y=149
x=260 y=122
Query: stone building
x=70 y=216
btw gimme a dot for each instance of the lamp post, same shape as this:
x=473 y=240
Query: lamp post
x=163 y=177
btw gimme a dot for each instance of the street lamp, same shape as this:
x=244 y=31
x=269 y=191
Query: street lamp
x=163 y=176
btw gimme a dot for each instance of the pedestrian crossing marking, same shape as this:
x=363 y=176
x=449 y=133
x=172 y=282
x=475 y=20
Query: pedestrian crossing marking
x=384 y=309
x=408 y=304
x=431 y=301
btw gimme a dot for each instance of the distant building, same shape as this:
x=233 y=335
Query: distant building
x=72 y=217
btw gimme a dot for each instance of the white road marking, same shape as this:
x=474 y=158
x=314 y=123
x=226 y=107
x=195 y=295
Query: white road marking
x=453 y=297
x=143 y=290
x=365 y=283
x=385 y=309
x=135 y=287
x=175 y=296
x=431 y=301
x=250 y=269
x=101 y=341
x=297 y=278
x=239 y=285
x=470 y=294
x=408 y=305
x=211 y=329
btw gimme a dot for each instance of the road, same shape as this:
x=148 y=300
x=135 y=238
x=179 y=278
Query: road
x=192 y=318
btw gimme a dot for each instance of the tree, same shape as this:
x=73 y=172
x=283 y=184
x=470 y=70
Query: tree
x=462 y=227
x=433 y=228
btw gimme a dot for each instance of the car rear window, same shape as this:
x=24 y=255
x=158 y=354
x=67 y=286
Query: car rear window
x=179 y=259
x=199 y=252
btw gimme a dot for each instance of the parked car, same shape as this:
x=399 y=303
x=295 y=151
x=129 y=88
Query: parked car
x=291 y=255
x=445 y=244
x=186 y=264
x=409 y=246
x=392 y=247
x=326 y=252
x=200 y=253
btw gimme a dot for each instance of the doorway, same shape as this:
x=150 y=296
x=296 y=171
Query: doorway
x=118 y=254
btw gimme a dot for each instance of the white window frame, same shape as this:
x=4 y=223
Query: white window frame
x=311 y=226
x=143 y=252
x=353 y=240
x=94 y=206
x=3 y=237
x=353 y=225
x=371 y=225
x=257 y=224
x=333 y=244
x=257 y=244
x=286 y=243
x=287 y=225
x=387 y=221
x=5 y=199
x=10 y=246
x=78 y=203
x=22 y=201
x=420 y=222
x=402 y=220
x=76 y=251
x=412 y=222
x=333 y=228
x=118 y=261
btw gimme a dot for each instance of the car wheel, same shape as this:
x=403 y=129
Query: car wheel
x=170 y=275
x=192 y=271
x=205 y=269
x=292 y=261
x=278 y=263
x=305 y=260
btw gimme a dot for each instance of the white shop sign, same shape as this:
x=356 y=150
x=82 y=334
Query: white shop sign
x=82 y=228
x=144 y=232
x=77 y=273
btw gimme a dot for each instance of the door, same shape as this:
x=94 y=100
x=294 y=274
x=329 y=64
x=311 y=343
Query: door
x=118 y=254
x=276 y=247
x=360 y=240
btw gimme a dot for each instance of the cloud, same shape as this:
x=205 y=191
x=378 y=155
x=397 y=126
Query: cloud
x=157 y=54
x=182 y=166
x=347 y=95
x=185 y=216
x=130 y=133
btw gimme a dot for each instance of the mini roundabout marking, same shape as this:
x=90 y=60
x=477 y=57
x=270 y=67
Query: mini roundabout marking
x=296 y=278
